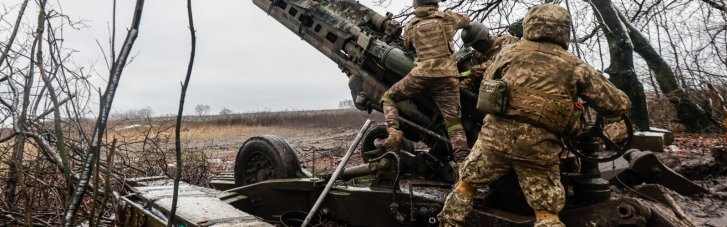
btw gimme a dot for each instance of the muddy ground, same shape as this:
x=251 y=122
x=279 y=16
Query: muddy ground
x=319 y=149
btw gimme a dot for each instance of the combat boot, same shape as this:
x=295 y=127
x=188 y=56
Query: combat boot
x=393 y=141
x=460 y=155
x=460 y=151
x=544 y=218
x=458 y=158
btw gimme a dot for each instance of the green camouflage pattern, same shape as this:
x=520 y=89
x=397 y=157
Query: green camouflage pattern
x=503 y=145
x=445 y=93
x=341 y=14
x=481 y=61
x=391 y=113
x=438 y=67
x=507 y=143
x=456 y=207
x=547 y=22
x=458 y=141
x=549 y=69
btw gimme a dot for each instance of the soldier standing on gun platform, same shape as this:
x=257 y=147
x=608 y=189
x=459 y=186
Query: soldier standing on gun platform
x=544 y=81
x=430 y=33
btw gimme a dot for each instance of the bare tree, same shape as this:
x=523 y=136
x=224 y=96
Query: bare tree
x=177 y=129
x=145 y=112
x=16 y=26
x=621 y=68
x=680 y=46
x=201 y=109
x=226 y=111
x=20 y=124
x=346 y=104
x=44 y=101
x=717 y=4
x=106 y=100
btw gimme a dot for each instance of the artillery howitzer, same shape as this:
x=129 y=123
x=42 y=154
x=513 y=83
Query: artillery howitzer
x=269 y=182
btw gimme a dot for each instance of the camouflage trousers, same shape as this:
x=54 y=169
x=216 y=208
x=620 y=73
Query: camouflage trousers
x=505 y=145
x=445 y=93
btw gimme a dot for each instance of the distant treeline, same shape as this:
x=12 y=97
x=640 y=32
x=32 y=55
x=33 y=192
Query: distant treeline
x=306 y=118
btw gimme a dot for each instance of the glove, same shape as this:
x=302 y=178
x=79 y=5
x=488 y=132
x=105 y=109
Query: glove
x=465 y=74
x=479 y=70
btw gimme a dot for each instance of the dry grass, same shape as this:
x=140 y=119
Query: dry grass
x=318 y=134
x=146 y=147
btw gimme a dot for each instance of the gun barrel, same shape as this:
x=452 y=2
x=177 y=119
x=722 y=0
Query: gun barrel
x=294 y=20
x=396 y=60
x=363 y=43
x=335 y=29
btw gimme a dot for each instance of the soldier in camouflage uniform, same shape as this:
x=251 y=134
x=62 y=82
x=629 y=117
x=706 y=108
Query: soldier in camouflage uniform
x=483 y=56
x=430 y=35
x=545 y=81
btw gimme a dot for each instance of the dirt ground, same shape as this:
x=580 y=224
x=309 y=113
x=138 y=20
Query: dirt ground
x=702 y=159
x=320 y=147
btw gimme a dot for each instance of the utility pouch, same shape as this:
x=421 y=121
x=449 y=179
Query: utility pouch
x=493 y=97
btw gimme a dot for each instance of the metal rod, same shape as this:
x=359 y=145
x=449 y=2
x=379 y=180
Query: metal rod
x=424 y=130
x=338 y=170
x=415 y=125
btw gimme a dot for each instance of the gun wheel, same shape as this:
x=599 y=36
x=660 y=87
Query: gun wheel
x=378 y=131
x=263 y=158
x=610 y=148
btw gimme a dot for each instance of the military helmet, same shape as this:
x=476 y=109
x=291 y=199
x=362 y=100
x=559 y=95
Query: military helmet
x=547 y=22
x=477 y=35
x=418 y=3
x=516 y=28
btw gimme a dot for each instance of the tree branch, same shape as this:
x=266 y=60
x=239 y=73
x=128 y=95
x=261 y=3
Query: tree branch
x=15 y=32
x=177 y=128
x=106 y=102
x=716 y=5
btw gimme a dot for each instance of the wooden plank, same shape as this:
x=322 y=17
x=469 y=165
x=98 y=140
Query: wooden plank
x=648 y=141
x=197 y=206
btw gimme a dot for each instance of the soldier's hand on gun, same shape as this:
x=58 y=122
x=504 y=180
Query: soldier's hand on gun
x=465 y=74
x=616 y=131
x=478 y=70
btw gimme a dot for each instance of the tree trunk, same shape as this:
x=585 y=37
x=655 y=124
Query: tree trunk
x=105 y=108
x=621 y=68
x=15 y=167
x=691 y=114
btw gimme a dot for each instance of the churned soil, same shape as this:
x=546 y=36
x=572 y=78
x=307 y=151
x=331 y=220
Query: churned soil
x=699 y=157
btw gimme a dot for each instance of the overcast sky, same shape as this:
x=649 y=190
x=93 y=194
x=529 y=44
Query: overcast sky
x=246 y=61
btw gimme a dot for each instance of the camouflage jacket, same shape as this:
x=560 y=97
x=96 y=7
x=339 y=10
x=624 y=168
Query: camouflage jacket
x=440 y=66
x=480 y=61
x=545 y=80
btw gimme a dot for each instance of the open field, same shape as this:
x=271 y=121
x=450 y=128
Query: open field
x=320 y=138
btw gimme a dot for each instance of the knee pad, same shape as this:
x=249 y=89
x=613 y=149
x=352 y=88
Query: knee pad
x=453 y=125
x=546 y=216
x=465 y=189
x=387 y=98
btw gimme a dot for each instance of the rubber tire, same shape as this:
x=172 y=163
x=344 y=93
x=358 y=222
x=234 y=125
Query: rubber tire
x=378 y=131
x=281 y=161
